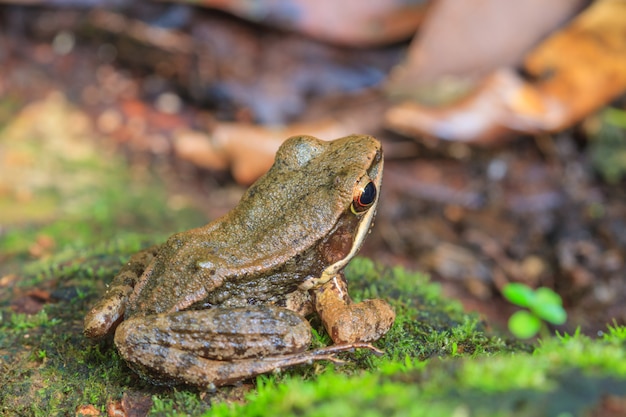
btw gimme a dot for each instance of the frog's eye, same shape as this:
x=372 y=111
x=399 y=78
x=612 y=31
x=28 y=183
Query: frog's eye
x=363 y=198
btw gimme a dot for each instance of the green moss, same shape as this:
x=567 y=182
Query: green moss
x=565 y=376
x=427 y=324
x=438 y=360
x=615 y=334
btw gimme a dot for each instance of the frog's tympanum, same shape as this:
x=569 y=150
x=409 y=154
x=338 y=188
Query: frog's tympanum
x=224 y=302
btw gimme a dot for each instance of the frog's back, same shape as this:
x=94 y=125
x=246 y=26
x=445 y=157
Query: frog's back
x=282 y=216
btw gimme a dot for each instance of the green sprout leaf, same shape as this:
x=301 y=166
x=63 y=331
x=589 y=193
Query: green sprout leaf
x=545 y=295
x=524 y=325
x=548 y=305
x=543 y=303
x=552 y=313
x=519 y=294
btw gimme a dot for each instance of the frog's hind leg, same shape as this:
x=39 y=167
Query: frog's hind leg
x=174 y=366
x=218 y=346
x=109 y=311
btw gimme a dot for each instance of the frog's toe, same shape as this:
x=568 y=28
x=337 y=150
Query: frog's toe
x=102 y=318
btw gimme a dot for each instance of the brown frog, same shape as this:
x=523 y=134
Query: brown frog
x=224 y=302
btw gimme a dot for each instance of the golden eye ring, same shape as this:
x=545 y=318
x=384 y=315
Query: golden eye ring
x=364 y=198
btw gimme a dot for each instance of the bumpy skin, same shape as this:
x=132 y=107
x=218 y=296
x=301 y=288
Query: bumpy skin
x=226 y=301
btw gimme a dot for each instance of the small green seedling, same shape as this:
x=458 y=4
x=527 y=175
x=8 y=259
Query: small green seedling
x=543 y=304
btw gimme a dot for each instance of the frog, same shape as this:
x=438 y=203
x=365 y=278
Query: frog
x=228 y=301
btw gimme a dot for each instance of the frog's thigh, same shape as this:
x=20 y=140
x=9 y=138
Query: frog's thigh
x=216 y=346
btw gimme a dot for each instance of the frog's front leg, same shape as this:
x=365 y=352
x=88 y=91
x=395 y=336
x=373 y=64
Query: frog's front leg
x=110 y=310
x=349 y=322
x=218 y=346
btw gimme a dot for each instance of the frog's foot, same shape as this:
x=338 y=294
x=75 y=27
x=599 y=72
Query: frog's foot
x=347 y=322
x=366 y=321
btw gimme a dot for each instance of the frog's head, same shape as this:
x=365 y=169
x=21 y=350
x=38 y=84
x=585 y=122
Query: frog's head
x=318 y=200
x=325 y=194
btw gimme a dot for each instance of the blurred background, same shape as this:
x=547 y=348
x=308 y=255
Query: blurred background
x=503 y=126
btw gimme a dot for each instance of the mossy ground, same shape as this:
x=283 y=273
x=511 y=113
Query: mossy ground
x=438 y=361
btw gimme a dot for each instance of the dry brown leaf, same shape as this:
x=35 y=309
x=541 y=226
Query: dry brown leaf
x=136 y=404
x=579 y=68
x=248 y=149
x=115 y=409
x=27 y=305
x=198 y=148
x=43 y=245
x=349 y=22
x=503 y=103
x=584 y=65
x=86 y=411
x=470 y=39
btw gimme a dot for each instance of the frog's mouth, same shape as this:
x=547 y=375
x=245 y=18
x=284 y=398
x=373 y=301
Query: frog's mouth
x=362 y=230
